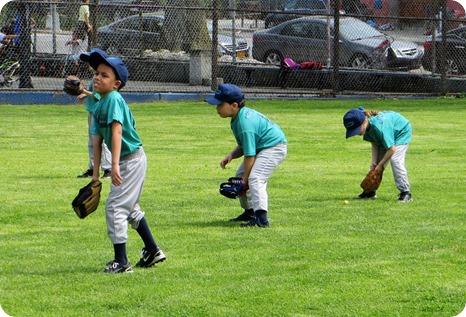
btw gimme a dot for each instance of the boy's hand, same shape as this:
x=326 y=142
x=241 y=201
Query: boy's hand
x=225 y=161
x=116 y=177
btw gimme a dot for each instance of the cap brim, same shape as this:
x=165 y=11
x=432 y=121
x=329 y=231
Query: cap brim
x=353 y=132
x=86 y=57
x=214 y=101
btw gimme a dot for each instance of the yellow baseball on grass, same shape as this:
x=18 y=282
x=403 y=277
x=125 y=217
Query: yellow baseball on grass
x=346 y=202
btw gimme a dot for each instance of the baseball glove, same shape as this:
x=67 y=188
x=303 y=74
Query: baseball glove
x=87 y=200
x=372 y=181
x=233 y=188
x=73 y=86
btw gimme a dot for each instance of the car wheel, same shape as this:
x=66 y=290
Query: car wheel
x=273 y=57
x=451 y=67
x=359 y=61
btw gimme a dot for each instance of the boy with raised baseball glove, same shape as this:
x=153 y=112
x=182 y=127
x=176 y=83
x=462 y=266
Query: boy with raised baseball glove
x=390 y=134
x=114 y=124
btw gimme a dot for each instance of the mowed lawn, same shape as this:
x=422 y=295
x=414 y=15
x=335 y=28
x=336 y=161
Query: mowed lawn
x=320 y=257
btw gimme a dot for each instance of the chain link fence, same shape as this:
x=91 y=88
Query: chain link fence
x=267 y=47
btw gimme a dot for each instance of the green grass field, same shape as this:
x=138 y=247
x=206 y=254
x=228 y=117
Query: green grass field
x=319 y=258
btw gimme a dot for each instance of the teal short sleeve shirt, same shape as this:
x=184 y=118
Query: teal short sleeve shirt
x=113 y=108
x=254 y=131
x=388 y=129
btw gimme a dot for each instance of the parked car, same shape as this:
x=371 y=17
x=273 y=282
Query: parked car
x=116 y=9
x=128 y=37
x=361 y=46
x=455 y=62
x=293 y=9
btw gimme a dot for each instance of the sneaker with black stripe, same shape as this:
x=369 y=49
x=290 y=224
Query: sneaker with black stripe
x=149 y=258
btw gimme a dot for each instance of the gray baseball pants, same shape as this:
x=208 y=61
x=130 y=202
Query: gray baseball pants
x=123 y=201
x=397 y=161
x=266 y=162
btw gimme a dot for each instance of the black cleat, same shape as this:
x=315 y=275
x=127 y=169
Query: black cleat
x=148 y=259
x=364 y=195
x=87 y=173
x=247 y=215
x=405 y=197
x=115 y=267
x=256 y=222
x=107 y=174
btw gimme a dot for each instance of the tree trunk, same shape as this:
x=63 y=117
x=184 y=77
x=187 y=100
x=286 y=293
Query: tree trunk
x=185 y=27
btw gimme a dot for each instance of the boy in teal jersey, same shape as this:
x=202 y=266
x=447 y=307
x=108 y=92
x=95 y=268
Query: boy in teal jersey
x=91 y=98
x=260 y=141
x=114 y=124
x=390 y=134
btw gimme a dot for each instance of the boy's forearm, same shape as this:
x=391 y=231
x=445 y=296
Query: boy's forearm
x=89 y=94
x=248 y=164
x=97 y=155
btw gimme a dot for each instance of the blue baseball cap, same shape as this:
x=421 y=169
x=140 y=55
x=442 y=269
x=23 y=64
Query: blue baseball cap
x=97 y=57
x=226 y=93
x=85 y=57
x=352 y=121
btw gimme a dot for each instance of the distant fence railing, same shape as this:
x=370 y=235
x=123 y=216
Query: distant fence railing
x=349 y=47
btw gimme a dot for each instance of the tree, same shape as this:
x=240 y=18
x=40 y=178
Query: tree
x=185 y=26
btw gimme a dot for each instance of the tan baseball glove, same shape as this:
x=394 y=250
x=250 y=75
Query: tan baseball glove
x=87 y=200
x=372 y=181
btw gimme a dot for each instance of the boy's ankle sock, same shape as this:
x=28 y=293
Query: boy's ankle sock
x=146 y=235
x=120 y=253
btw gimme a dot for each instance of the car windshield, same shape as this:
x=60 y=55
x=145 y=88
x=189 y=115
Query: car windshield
x=304 y=4
x=352 y=29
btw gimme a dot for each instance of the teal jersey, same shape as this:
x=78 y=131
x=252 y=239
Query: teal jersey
x=113 y=108
x=253 y=131
x=387 y=129
x=90 y=102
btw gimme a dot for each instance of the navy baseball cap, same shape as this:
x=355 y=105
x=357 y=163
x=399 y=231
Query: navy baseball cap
x=97 y=57
x=226 y=93
x=353 y=120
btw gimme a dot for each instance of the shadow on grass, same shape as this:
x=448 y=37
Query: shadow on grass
x=215 y=223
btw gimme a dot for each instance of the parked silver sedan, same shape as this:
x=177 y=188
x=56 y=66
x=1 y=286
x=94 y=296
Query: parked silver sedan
x=361 y=46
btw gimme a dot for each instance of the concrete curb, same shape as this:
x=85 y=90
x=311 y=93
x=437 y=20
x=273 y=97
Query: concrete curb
x=59 y=98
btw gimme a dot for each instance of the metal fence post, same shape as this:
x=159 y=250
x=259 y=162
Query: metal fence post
x=336 y=46
x=214 y=44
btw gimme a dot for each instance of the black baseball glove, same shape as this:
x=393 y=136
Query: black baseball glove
x=87 y=200
x=233 y=188
x=73 y=86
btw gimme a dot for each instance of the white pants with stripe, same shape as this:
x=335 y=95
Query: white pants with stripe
x=123 y=201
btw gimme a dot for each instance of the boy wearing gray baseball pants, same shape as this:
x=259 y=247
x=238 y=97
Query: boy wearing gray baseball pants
x=114 y=124
x=263 y=145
